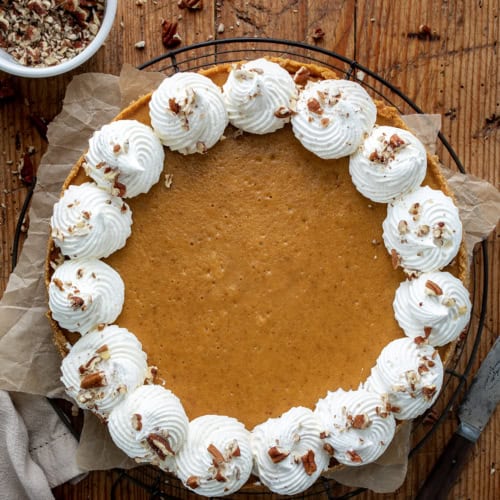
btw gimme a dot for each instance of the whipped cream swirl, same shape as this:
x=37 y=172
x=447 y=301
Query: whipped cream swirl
x=187 y=113
x=288 y=451
x=90 y=222
x=356 y=424
x=435 y=306
x=216 y=459
x=260 y=96
x=422 y=230
x=150 y=425
x=125 y=157
x=84 y=293
x=102 y=367
x=333 y=117
x=389 y=163
x=410 y=375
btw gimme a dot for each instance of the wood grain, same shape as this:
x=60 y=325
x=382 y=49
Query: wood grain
x=454 y=72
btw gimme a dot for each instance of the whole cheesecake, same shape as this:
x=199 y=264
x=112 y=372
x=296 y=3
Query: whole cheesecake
x=258 y=279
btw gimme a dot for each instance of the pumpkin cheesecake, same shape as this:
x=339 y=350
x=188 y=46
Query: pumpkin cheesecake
x=284 y=253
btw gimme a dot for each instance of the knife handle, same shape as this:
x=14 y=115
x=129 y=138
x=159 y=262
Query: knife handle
x=447 y=469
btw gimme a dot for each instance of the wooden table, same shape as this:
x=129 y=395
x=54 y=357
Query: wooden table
x=443 y=54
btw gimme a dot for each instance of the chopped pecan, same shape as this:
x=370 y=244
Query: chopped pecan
x=318 y=35
x=76 y=302
x=428 y=392
x=309 y=463
x=59 y=284
x=160 y=445
x=314 y=106
x=432 y=288
x=137 y=421
x=277 y=455
x=354 y=456
x=190 y=4
x=93 y=381
x=396 y=259
x=173 y=105
x=396 y=142
x=301 y=76
x=169 y=36
x=218 y=456
x=329 y=449
x=193 y=482
x=361 y=421
x=283 y=112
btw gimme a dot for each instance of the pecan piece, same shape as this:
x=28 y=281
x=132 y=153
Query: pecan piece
x=76 y=302
x=396 y=142
x=396 y=259
x=314 y=106
x=218 y=456
x=283 y=112
x=137 y=421
x=93 y=381
x=428 y=392
x=169 y=36
x=190 y=4
x=329 y=449
x=354 y=456
x=309 y=463
x=173 y=105
x=193 y=482
x=432 y=288
x=160 y=445
x=301 y=76
x=276 y=455
x=360 y=421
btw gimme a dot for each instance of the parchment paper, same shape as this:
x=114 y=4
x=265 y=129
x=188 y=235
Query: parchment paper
x=28 y=360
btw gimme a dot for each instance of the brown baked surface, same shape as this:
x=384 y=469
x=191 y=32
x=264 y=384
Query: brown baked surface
x=259 y=280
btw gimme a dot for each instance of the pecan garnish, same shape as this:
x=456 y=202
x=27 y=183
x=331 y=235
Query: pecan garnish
x=329 y=449
x=427 y=331
x=190 y=4
x=359 y=421
x=120 y=188
x=169 y=36
x=375 y=156
x=116 y=148
x=318 y=34
x=403 y=227
x=218 y=456
x=396 y=142
x=76 y=302
x=354 y=456
x=233 y=449
x=415 y=210
x=276 y=455
x=428 y=392
x=160 y=445
x=93 y=380
x=301 y=76
x=432 y=288
x=314 y=106
x=423 y=230
x=220 y=477
x=283 y=112
x=396 y=259
x=173 y=105
x=309 y=463
x=193 y=482
x=58 y=283
x=137 y=421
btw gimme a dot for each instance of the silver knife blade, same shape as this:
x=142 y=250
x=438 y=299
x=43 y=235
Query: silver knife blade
x=482 y=397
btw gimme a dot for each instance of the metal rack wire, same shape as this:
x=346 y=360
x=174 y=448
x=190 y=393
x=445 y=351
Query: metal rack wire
x=160 y=485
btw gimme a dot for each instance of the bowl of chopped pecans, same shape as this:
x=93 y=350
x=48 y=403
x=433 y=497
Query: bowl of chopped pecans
x=42 y=38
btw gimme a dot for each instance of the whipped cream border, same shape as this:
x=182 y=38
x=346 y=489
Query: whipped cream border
x=299 y=89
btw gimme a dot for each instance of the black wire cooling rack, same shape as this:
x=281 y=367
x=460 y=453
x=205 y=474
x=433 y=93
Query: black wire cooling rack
x=160 y=485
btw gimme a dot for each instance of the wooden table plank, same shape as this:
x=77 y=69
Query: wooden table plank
x=456 y=75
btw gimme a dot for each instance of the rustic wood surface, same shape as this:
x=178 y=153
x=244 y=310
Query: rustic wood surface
x=443 y=54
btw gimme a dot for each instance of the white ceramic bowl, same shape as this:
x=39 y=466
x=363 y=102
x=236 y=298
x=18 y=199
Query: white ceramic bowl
x=10 y=65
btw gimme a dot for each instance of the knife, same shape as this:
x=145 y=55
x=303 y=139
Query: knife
x=475 y=410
